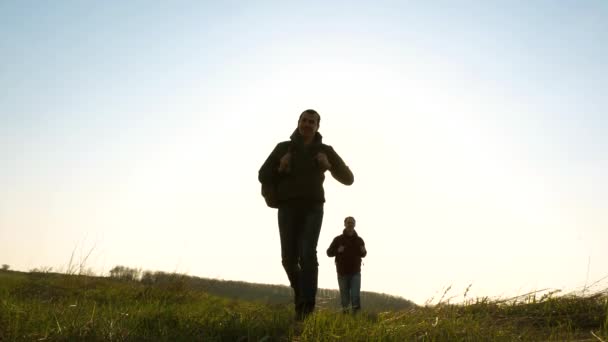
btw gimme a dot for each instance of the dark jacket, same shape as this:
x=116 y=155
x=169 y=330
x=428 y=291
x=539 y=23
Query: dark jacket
x=303 y=184
x=349 y=261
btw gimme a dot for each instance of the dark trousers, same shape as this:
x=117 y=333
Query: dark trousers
x=350 y=291
x=299 y=229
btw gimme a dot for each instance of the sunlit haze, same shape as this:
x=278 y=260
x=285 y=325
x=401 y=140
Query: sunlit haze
x=131 y=133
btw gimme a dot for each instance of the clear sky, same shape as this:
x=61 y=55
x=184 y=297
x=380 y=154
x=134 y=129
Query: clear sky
x=476 y=130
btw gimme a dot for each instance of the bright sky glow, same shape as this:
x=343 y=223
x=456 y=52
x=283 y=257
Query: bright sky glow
x=476 y=132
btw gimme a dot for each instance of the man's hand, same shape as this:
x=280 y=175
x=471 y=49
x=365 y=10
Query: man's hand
x=363 y=249
x=284 y=163
x=340 y=249
x=323 y=161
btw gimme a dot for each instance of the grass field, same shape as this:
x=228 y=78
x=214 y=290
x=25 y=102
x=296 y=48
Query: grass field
x=60 y=307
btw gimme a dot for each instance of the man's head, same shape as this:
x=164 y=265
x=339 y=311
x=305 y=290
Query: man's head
x=308 y=123
x=349 y=225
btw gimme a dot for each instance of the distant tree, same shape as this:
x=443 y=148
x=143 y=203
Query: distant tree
x=5 y=267
x=148 y=278
x=43 y=269
x=125 y=273
x=172 y=281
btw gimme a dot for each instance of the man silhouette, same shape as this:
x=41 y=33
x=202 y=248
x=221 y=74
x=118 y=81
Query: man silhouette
x=298 y=167
x=348 y=248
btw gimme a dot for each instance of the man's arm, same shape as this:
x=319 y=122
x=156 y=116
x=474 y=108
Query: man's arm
x=362 y=248
x=269 y=170
x=339 y=170
x=333 y=248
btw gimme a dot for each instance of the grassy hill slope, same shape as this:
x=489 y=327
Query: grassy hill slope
x=58 y=307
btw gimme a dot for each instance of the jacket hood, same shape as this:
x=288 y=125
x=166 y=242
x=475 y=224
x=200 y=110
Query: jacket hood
x=296 y=137
x=354 y=233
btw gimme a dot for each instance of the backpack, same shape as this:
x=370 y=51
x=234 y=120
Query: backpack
x=270 y=190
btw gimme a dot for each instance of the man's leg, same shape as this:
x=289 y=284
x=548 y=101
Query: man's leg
x=344 y=283
x=289 y=251
x=309 y=266
x=355 y=291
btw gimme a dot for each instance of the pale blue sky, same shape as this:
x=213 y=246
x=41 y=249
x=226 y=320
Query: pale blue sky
x=476 y=132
